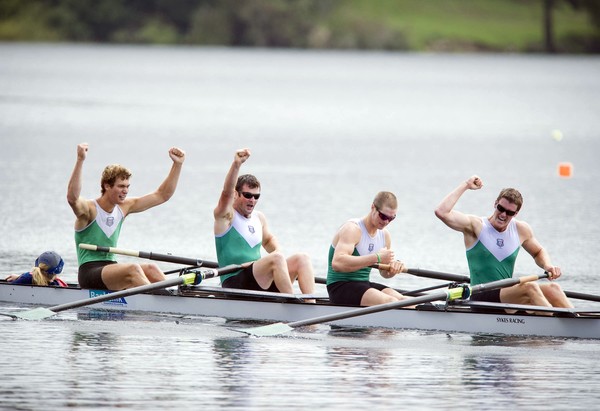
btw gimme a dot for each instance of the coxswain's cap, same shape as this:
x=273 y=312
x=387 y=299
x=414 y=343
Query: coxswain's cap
x=54 y=262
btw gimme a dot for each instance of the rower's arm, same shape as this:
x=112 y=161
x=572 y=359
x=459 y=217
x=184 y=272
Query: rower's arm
x=78 y=204
x=164 y=192
x=455 y=219
x=343 y=259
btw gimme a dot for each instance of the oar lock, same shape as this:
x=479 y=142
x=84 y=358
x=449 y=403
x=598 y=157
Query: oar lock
x=465 y=293
x=200 y=274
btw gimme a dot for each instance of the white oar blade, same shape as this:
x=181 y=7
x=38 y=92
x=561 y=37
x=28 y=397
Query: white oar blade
x=36 y=314
x=267 y=330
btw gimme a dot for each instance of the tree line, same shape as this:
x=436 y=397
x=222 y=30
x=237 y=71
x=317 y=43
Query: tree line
x=252 y=23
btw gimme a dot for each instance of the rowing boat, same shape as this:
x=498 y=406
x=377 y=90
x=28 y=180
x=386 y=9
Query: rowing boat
x=463 y=316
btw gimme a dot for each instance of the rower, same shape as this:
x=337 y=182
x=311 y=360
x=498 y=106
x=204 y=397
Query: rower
x=356 y=246
x=240 y=233
x=493 y=244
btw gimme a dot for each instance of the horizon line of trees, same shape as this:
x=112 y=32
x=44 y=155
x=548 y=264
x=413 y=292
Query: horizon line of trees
x=260 y=23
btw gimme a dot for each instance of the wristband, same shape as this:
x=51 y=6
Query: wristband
x=378 y=258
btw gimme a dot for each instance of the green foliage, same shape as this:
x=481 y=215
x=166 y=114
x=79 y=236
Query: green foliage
x=448 y=25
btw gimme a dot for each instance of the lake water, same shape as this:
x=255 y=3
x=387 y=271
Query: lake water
x=327 y=131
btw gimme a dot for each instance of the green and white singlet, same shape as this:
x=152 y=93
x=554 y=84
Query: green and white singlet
x=103 y=231
x=240 y=243
x=494 y=254
x=366 y=245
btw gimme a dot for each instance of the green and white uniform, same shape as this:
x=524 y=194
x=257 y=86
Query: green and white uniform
x=494 y=254
x=366 y=245
x=104 y=231
x=240 y=243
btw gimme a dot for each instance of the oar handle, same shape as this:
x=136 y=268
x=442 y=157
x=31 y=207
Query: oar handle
x=151 y=256
x=381 y=266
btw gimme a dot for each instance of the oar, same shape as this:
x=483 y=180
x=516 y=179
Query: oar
x=194 y=277
x=419 y=272
x=320 y=280
x=582 y=296
x=181 y=270
x=465 y=279
x=422 y=290
x=151 y=256
x=385 y=267
x=450 y=294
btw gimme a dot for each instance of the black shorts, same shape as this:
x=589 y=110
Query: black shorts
x=90 y=275
x=246 y=281
x=492 y=296
x=351 y=292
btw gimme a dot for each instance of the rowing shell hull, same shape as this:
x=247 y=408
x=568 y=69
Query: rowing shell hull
x=450 y=320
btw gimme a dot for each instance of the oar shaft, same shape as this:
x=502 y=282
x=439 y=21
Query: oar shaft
x=151 y=256
x=214 y=272
x=418 y=272
x=441 y=295
x=422 y=290
x=192 y=277
x=449 y=294
x=321 y=280
x=439 y=275
x=184 y=279
x=582 y=296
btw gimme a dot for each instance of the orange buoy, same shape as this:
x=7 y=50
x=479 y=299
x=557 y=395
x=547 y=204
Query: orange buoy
x=565 y=170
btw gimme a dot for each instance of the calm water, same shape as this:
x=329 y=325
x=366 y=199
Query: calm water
x=327 y=131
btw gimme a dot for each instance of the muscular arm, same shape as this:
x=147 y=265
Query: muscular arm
x=269 y=241
x=164 y=192
x=536 y=250
x=78 y=204
x=465 y=223
x=343 y=261
x=223 y=212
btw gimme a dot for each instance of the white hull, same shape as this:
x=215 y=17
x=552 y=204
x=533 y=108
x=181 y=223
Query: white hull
x=453 y=319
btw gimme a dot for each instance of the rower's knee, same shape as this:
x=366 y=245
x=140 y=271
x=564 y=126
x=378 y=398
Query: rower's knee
x=531 y=292
x=276 y=259
x=553 y=290
x=134 y=276
x=153 y=273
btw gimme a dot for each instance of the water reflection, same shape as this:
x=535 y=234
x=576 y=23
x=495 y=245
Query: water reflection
x=233 y=359
x=481 y=340
x=484 y=371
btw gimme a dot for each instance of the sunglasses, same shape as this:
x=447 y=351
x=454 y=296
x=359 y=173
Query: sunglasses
x=501 y=210
x=385 y=217
x=250 y=195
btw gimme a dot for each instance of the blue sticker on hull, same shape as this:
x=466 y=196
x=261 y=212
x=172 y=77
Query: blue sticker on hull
x=116 y=301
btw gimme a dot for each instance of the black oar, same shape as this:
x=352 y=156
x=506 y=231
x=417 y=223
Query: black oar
x=465 y=279
x=194 y=277
x=385 y=267
x=582 y=296
x=152 y=256
x=320 y=280
x=439 y=275
x=419 y=272
x=450 y=294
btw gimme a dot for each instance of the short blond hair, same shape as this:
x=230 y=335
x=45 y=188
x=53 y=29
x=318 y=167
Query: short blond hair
x=385 y=199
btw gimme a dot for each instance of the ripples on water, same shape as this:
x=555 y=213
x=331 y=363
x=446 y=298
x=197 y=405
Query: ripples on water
x=328 y=130
x=149 y=362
